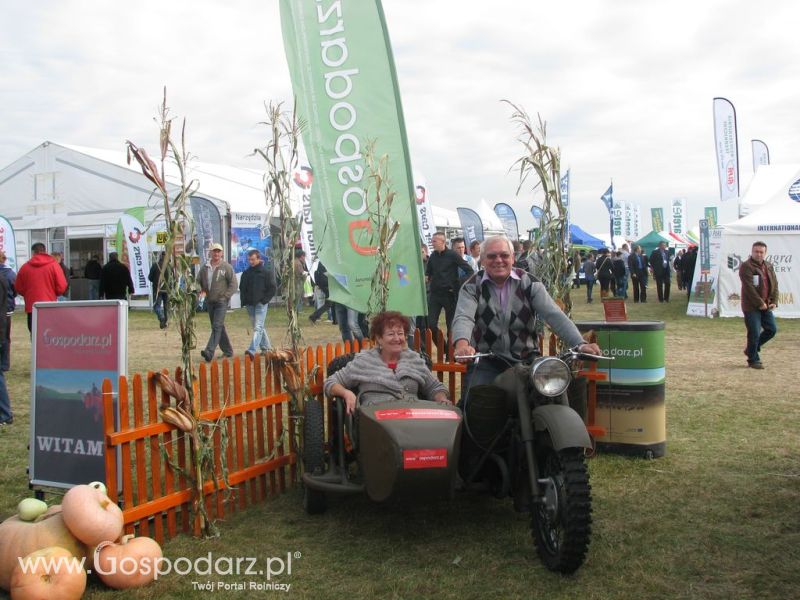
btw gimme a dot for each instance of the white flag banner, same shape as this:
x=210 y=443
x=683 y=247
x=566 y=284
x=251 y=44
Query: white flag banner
x=677 y=222
x=636 y=222
x=424 y=211
x=8 y=243
x=300 y=202
x=138 y=253
x=760 y=154
x=627 y=230
x=617 y=217
x=727 y=148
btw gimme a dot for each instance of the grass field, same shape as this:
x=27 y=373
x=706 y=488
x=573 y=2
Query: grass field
x=718 y=517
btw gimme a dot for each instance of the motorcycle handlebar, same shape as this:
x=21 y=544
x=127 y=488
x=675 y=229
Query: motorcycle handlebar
x=576 y=355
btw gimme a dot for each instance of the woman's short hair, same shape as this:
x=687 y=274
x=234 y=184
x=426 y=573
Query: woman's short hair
x=386 y=319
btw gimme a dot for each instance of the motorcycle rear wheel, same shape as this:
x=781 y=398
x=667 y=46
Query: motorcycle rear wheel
x=561 y=526
x=314 y=501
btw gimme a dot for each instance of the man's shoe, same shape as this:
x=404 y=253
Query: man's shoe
x=207 y=356
x=162 y=324
x=250 y=354
x=755 y=365
x=9 y=421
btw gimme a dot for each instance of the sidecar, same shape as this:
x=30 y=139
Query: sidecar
x=402 y=448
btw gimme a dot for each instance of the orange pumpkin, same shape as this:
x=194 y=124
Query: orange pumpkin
x=20 y=538
x=51 y=573
x=91 y=516
x=131 y=562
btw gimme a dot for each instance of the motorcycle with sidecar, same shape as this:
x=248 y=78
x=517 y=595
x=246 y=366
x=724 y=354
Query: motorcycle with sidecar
x=517 y=437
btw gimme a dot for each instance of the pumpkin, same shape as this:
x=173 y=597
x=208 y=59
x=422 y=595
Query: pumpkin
x=20 y=538
x=51 y=573
x=130 y=562
x=91 y=516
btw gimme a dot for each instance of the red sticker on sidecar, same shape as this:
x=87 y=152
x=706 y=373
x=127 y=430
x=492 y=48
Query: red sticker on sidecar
x=427 y=458
x=415 y=413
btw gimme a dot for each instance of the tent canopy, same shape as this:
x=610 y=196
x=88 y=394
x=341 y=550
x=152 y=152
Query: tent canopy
x=651 y=241
x=579 y=236
x=777 y=224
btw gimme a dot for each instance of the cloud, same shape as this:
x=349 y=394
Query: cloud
x=625 y=87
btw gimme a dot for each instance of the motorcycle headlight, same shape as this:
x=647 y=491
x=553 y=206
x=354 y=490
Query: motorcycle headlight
x=550 y=376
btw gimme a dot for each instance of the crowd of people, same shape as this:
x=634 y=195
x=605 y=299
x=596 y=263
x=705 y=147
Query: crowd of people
x=620 y=271
x=490 y=294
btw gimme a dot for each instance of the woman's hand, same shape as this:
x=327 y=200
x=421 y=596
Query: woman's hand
x=441 y=398
x=349 y=401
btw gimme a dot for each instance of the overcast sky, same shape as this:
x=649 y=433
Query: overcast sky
x=625 y=86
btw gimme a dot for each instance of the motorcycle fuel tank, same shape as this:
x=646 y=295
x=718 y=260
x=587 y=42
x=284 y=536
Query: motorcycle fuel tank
x=409 y=448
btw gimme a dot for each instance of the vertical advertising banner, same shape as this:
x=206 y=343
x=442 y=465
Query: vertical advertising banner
x=207 y=225
x=637 y=222
x=248 y=231
x=678 y=219
x=300 y=201
x=536 y=213
x=137 y=253
x=343 y=76
x=760 y=154
x=76 y=345
x=727 y=148
x=710 y=214
x=8 y=243
x=627 y=230
x=427 y=227
x=703 y=294
x=471 y=224
x=565 y=197
x=657 y=217
x=617 y=218
x=508 y=218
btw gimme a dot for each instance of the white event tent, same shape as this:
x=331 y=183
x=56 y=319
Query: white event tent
x=774 y=219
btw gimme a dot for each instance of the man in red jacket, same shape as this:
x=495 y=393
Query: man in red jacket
x=40 y=279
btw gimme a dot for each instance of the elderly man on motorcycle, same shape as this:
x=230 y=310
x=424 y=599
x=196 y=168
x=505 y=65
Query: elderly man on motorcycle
x=496 y=313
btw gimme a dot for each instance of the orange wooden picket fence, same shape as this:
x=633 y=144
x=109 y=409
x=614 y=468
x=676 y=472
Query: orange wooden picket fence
x=245 y=396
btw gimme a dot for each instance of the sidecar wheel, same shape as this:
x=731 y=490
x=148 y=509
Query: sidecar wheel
x=561 y=525
x=314 y=501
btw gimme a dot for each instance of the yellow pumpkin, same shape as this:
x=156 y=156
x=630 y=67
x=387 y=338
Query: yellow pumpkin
x=51 y=573
x=91 y=516
x=130 y=562
x=20 y=538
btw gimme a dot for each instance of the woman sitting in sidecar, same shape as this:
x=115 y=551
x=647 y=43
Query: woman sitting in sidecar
x=389 y=371
x=392 y=417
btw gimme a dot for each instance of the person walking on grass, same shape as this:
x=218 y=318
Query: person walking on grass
x=256 y=289
x=442 y=273
x=6 y=416
x=589 y=270
x=759 y=299
x=217 y=285
x=115 y=279
x=637 y=264
x=660 y=263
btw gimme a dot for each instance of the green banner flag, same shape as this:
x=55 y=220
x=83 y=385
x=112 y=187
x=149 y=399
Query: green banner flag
x=711 y=216
x=657 y=215
x=343 y=76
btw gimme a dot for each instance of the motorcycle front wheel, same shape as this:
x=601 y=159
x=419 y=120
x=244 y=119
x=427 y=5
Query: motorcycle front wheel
x=561 y=524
